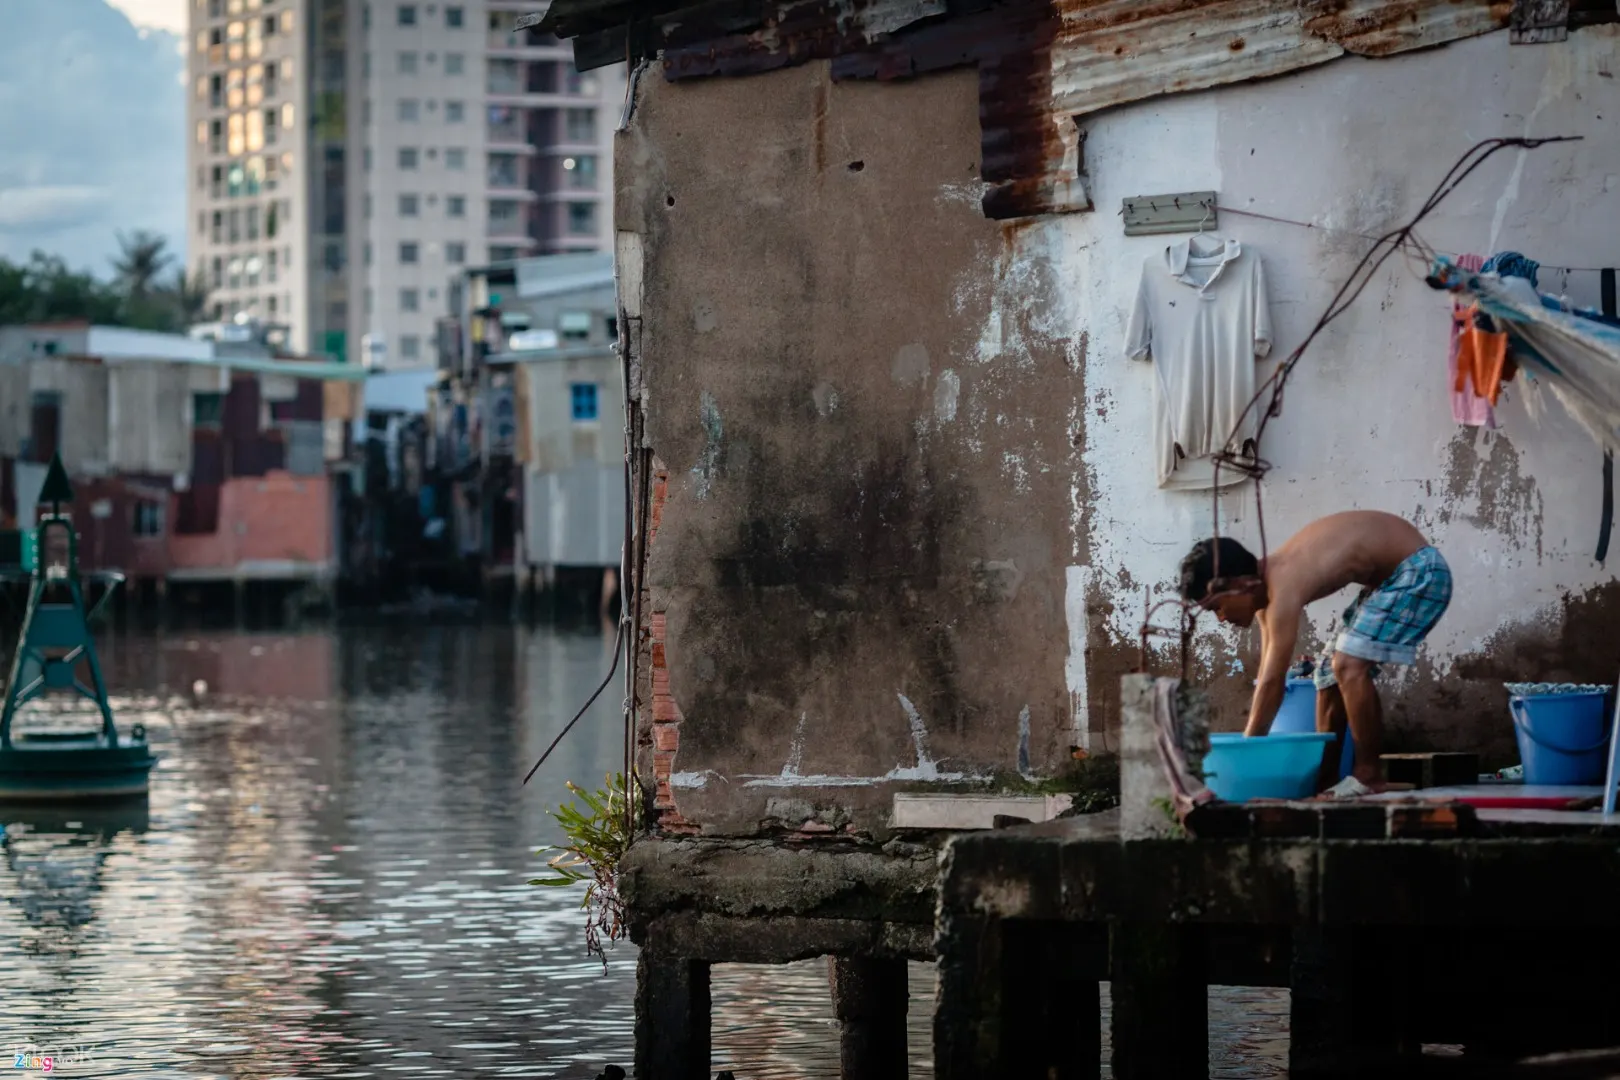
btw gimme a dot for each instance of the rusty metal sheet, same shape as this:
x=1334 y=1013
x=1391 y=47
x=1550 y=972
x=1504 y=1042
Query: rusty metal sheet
x=1120 y=51
x=792 y=33
x=1041 y=63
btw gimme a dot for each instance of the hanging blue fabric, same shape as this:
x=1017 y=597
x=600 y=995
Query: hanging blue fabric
x=1512 y=264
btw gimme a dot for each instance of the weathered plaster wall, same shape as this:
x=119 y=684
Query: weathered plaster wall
x=906 y=512
x=859 y=567
x=1353 y=148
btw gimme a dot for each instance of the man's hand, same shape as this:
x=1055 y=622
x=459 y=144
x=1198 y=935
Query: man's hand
x=1279 y=631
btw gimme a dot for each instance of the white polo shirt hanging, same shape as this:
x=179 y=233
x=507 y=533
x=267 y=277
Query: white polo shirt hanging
x=1201 y=314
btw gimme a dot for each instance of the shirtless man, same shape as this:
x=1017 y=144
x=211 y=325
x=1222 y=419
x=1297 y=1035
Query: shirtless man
x=1406 y=587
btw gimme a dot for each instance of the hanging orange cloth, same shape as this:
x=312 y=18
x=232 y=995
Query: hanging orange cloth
x=1482 y=358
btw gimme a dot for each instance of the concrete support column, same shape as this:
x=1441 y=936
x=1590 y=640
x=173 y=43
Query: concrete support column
x=672 y=1017
x=1161 y=1001
x=1353 y=997
x=869 y=1001
x=1018 y=999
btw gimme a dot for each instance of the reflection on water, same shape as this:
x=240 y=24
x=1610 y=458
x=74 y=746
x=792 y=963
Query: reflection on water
x=328 y=879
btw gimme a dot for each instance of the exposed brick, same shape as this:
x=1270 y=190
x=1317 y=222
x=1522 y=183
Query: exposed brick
x=666 y=737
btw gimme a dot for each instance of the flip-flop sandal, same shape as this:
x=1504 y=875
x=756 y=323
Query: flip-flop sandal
x=1351 y=788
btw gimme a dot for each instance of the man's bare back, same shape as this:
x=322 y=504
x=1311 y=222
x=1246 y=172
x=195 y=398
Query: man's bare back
x=1356 y=547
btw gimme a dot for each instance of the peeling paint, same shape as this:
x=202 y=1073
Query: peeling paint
x=945 y=393
x=1023 y=745
x=708 y=466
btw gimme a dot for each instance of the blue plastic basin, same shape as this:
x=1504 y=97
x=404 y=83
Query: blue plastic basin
x=1298 y=713
x=1275 y=766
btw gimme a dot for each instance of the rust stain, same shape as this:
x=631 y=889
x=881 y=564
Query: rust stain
x=819 y=122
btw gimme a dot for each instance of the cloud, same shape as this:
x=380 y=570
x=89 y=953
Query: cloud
x=47 y=208
x=92 y=122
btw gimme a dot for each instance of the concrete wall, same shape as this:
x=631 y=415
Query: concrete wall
x=905 y=509
x=82 y=385
x=149 y=417
x=573 y=494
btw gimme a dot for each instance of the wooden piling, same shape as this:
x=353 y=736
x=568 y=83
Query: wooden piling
x=869 y=1001
x=672 y=1017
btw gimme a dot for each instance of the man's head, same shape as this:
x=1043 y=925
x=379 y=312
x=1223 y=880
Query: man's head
x=1237 y=594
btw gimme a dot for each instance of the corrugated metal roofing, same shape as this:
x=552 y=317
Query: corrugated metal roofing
x=1041 y=62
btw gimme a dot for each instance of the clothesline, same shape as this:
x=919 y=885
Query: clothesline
x=1545 y=267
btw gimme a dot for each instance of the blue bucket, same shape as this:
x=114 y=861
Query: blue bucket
x=1298 y=714
x=1275 y=766
x=1563 y=737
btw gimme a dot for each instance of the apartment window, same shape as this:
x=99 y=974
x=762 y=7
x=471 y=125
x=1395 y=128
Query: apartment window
x=503 y=215
x=216 y=271
x=233 y=221
x=503 y=77
x=407 y=63
x=202 y=223
x=574 y=325
x=233 y=273
x=455 y=112
x=455 y=158
x=410 y=347
x=409 y=110
x=368 y=300
x=207 y=410
x=270 y=273
x=582 y=402
x=218 y=235
x=409 y=252
x=365 y=158
x=253 y=223
x=454 y=63
x=216 y=181
x=216 y=9
x=270 y=127
x=287 y=116
x=216 y=91
x=455 y=206
x=455 y=17
x=503 y=170
x=216 y=136
x=581 y=172
x=365 y=16
x=146 y=518
x=408 y=205
x=581 y=124
x=407 y=14
x=410 y=300
x=270 y=80
x=581 y=218
x=455 y=253
x=408 y=157
x=286 y=22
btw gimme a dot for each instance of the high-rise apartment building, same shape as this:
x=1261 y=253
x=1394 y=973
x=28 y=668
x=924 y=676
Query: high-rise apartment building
x=348 y=159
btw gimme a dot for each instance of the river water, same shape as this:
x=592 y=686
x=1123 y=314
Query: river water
x=328 y=879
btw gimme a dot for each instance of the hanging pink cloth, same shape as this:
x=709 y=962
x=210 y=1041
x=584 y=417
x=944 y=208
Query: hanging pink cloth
x=1467 y=407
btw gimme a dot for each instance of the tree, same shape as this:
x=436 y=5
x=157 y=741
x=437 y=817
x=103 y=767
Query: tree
x=142 y=258
x=188 y=295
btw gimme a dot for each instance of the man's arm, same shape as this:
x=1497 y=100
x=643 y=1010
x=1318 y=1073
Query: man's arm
x=1278 y=633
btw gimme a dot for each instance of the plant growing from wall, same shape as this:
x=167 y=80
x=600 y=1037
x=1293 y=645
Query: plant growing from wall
x=598 y=825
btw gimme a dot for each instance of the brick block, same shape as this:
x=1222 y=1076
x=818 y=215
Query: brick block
x=663 y=764
x=666 y=737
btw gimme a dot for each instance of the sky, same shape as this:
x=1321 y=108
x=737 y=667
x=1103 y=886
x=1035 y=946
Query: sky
x=92 y=119
x=167 y=15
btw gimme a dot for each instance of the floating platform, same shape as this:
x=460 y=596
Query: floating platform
x=61 y=767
